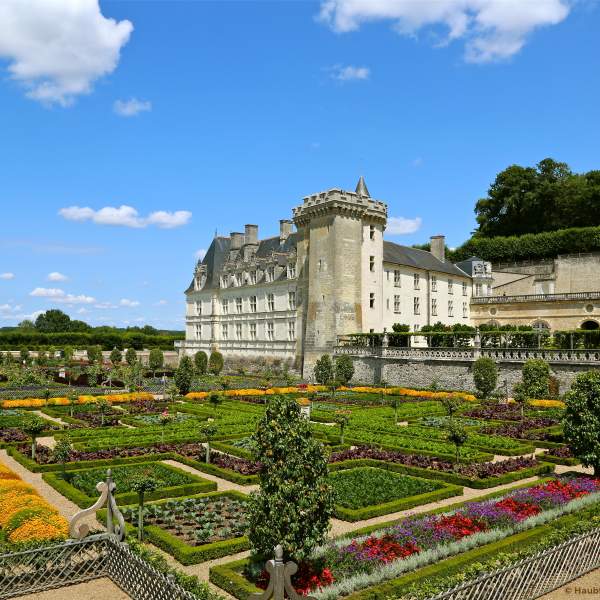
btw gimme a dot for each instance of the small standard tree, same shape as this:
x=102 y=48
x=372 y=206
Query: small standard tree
x=342 y=417
x=156 y=360
x=344 y=369
x=142 y=484
x=165 y=418
x=581 y=422
x=457 y=435
x=215 y=363
x=73 y=399
x=94 y=354
x=295 y=501
x=208 y=431
x=324 y=371
x=103 y=407
x=184 y=375
x=33 y=426
x=485 y=376
x=451 y=405
x=200 y=362
x=215 y=399
x=394 y=402
x=116 y=356
x=131 y=356
x=536 y=378
x=61 y=454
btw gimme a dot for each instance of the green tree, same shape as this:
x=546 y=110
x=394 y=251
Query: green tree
x=184 y=375
x=394 y=402
x=156 y=360
x=94 y=354
x=116 y=356
x=25 y=356
x=342 y=418
x=200 y=362
x=215 y=362
x=73 y=398
x=215 y=399
x=104 y=407
x=131 y=356
x=582 y=419
x=53 y=321
x=33 y=426
x=295 y=501
x=61 y=453
x=208 y=431
x=536 y=378
x=485 y=376
x=457 y=435
x=451 y=405
x=165 y=418
x=324 y=371
x=143 y=484
x=344 y=369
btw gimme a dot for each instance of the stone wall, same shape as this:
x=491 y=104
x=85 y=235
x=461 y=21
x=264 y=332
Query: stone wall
x=448 y=374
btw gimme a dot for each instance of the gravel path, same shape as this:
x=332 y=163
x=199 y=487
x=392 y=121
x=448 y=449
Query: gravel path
x=98 y=589
x=588 y=586
x=46 y=417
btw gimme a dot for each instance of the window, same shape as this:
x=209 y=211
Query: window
x=270 y=331
x=271 y=302
x=225 y=305
x=434 y=306
x=291 y=271
x=541 y=326
x=387 y=275
x=372 y=232
x=465 y=310
x=320 y=264
x=292 y=300
x=396 y=303
x=450 y=308
x=450 y=286
x=224 y=281
x=372 y=264
x=271 y=274
x=238 y=305
x=464 y=286
x=291 y=330
x=417 y=305
x=387 y=304
x=224 y=331
x=416 y=281
x=198 y=331
x=371 y=300
x=416 y=327
x=396 y=277
x=238 y=331
x=252 y=331
x=478 y=289
x=433 y=283
x=239 y=279
x=198 y=308
x=252 y=303
x=252 y=277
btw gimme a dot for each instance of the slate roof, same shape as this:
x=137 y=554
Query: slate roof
x=420 y=259
x=467 y=265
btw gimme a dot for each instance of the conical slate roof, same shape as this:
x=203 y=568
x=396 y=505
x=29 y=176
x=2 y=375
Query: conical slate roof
x=361 y=188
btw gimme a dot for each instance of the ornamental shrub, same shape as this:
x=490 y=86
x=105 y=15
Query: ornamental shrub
x=485 y=376
x=184 y=375
x=33 y=426
x=582 y=419
x=324 y=371
x=200 y=362
x=156 y=360
x=344 y=369
x=130 y=356
x=116 y=356
x=536 y=378
x=215 y=362
x=295 y=501
x=143 y=484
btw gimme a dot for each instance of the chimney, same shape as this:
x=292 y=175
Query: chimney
x=251 y=234
x=438 y=247
x=285 y=228
x=237 y=240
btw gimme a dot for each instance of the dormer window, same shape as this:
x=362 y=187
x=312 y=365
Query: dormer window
x=291 y=271
x=252 y=277
x=271 y=274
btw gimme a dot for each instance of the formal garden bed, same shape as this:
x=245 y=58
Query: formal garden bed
x=366 y=492
x=79 y=486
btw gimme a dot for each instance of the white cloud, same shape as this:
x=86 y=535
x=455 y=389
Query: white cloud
x=105 y=305
x=131 y=107
x=200 y=254
x=161 y=303
x=7 y=276
x=492 y=29
x=57 y=48
x=350 y=73
x=417 y=162
x=56 y=276
x=126 y=216
x=58 y=295
x=402 y=226
x=82 y=311
x=129 y=303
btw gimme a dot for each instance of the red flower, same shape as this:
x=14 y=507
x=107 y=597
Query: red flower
x=460 y=526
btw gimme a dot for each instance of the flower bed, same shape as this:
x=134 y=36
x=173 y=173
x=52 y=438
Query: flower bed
x=561 y=455
x=509 y=412
x=197 y=528
x=79 y=486
x=366 y=492
x=25 y=517
x=63 y=401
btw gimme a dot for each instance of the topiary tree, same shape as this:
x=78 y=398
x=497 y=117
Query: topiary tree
x=485 y=376
x=116 y=357
x=344 y=369
x=324 y=371
x=142 y=484
x=581 y=422
x=33 y=426
x=184 y=375
x=156 y=360
x=94 y=354
x=61 y=453
x=295 y=501
x=208 y=431
x=130 y=356
x=215 y=399
x=457 y=435
x=103 y=406
x=165 y=418
x=451 y=405
x=394 y=402
x=73 y=399
x=536 y=378
x=215 y=362
x=200 y=362
x=342 y=417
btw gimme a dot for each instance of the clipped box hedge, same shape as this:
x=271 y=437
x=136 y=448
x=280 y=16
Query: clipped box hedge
x=197 y=485
x=221 y=472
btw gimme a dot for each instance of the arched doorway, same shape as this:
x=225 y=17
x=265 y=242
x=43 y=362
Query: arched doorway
x=590 y=325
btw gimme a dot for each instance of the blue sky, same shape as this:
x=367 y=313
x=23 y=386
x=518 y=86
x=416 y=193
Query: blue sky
x=205 y=115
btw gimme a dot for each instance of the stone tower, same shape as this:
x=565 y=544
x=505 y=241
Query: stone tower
x=340 y=252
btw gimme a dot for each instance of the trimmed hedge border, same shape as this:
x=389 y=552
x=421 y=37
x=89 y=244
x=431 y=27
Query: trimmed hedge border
x=211 y=469
x=233 y=450
x=83 y=500
x=182 y=552
x=453 y=478
x=561 y=460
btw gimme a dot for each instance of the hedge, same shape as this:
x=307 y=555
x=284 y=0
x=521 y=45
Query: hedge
x=452 y=478
x=233 y=450
x=83 y=500
x=561 y=460
x=221 y=472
